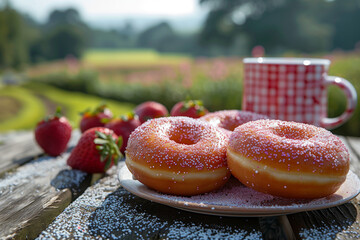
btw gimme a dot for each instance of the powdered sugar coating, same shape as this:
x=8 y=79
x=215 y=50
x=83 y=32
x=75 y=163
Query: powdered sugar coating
x=230 y=119
x=178 y=143
x=291 y=146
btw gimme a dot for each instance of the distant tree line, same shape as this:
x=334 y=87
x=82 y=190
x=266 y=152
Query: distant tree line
x=232 y=28
x=306 y=26
x=24 y=41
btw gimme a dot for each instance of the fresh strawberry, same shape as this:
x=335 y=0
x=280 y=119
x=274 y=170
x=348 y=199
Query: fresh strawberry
x=189 y=108
x=149 y=110
x=123 y=126
x=95 y=118
x=96 y=151
x=53 y=133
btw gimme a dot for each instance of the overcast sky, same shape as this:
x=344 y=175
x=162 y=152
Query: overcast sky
x=103 y=11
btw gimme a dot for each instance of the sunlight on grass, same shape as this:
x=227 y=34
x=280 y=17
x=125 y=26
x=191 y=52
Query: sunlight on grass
x=30 y=110
x=75 y=102
x=131 y=57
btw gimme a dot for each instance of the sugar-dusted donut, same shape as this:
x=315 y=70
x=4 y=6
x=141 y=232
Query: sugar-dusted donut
x=287 y=159
x=230 y=119
x=178 y=155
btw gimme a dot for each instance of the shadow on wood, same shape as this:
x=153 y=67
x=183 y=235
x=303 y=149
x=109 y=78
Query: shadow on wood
x=75 y=180
x=126 y=216
x=325 y=223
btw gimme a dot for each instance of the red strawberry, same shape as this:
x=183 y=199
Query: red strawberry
x=190 y=108
x=53 y=133
x=95 y=118
x=123 y=126
x=96 y=151
x=149 y=110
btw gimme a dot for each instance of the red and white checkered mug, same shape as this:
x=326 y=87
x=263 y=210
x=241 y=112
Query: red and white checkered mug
x=293 y=89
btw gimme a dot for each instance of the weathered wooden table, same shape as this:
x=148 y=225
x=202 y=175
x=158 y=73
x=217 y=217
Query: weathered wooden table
x=41 y=197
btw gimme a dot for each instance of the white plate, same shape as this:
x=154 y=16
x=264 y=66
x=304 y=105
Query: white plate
x=236 y=200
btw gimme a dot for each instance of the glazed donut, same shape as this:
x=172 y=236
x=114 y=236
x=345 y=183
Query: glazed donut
x=178 y=155
x=230 y=119
x=287 y=159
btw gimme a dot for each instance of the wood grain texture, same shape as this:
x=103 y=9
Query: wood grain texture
x=354 y=156
x=30 y=196
x=106 y=210
x=340 y=222
x=354 y=144
x=327 y=223
x=18 y=148
x=276 y=228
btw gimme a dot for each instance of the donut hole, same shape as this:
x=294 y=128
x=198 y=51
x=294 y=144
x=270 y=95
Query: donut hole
x=229 y=124
x=291 y=132
x=230 y=128
x=184 y=135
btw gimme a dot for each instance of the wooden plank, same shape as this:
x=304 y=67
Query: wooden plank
x=354 y=144
x=18 y=148
x=35 y=193
x=340 y=222
x=106 y=210
x=354 y=150
x=354 y=157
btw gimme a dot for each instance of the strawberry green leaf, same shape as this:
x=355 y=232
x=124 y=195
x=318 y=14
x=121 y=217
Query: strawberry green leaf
x=99 y=147
x=200 y=111
x=86 y=111
x=58 y=113
x=128 y=116
x=107 y=164
x=100 y=141
x=99 y=109
x=105 y=120
x=120 y=141
x=189 y=104
x=103 y=158
x=198 y=102
x=108 y=148
x=101 y=135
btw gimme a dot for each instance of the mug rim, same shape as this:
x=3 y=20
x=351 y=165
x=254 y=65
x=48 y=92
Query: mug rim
x=286 y=60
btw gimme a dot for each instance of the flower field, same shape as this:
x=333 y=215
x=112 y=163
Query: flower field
x=137 y=76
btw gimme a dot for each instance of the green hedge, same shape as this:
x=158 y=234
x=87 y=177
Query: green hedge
x=216 y=95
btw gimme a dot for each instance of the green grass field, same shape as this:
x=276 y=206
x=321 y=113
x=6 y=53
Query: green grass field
x=33 y=107
x=131 y=57
x=29 y=109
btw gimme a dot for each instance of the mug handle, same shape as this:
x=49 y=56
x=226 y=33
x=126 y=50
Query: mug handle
x=351 y=97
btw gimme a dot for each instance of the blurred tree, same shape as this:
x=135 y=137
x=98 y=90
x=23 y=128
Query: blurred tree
x=156 y=36
x=278 y=25
x=62 y=35
x=68 y=16
x=13 y=48
x=124 y=37
x=127 y=31
x=163 y=38
x=345 y=17
x=35 y=39
x=64 y=41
